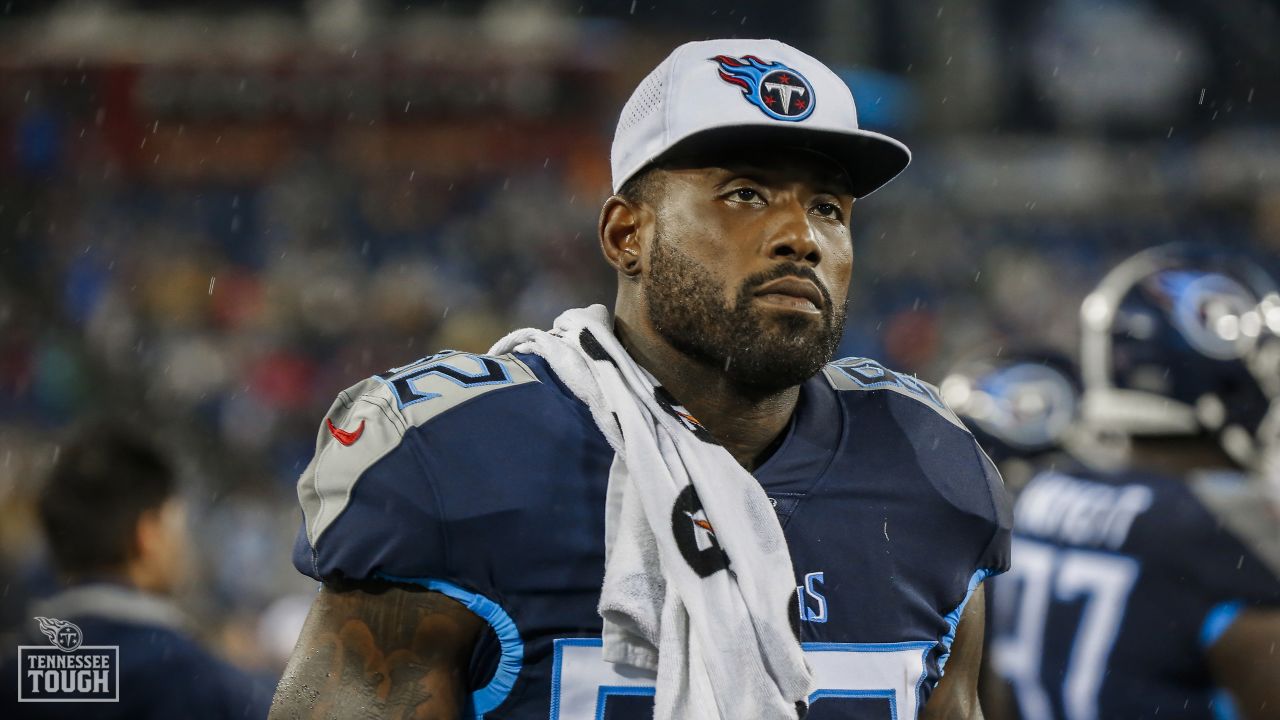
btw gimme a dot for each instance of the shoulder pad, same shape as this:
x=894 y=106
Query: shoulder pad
x=369 y=419
x=866 y=374
x=428 y=387
x=1246 y=509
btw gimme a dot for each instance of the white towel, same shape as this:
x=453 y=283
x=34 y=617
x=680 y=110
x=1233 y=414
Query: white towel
x=721 y=641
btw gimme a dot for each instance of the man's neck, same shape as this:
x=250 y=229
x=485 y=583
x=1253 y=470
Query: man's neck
x=746 y=423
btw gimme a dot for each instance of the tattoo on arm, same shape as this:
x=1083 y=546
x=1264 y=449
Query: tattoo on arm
x=395 y=653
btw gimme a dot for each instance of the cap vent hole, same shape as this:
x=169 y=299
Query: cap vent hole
x=646 y=100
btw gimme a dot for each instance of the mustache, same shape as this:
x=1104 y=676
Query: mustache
x=787 y=269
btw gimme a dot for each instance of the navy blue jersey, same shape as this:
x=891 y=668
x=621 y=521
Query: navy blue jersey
x=484 y=478
x=1120 y=584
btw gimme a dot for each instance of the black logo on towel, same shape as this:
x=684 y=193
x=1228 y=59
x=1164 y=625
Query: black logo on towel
x=695 y=536
x=668 y=402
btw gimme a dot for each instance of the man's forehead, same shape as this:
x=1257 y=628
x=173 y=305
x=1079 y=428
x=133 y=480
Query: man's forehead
x=771 y=162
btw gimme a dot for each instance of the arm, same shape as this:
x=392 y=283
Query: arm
x=1246 y=661
x=996 y=694
x=956 y=697
x=386 y=653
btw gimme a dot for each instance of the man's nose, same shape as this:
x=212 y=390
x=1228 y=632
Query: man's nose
x=793 y=238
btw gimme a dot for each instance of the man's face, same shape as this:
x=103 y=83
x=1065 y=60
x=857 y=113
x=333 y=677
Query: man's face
x=749 y=266
x=163 y=548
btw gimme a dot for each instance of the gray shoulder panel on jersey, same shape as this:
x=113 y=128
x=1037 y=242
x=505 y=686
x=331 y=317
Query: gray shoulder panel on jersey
x=1244 y=508
x=865 y=374
x=373 y=416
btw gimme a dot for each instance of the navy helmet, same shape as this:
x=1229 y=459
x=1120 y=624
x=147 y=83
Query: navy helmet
x=1018 y=405
x=1183 y=340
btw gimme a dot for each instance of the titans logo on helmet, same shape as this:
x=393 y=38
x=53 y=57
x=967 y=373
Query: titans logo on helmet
x=1216 y=314
x=779 y=91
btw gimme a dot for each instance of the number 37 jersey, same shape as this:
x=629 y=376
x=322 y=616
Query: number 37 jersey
x=484 y=478
x=1120 y=584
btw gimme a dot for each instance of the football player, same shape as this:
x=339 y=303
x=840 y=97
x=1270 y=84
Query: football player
x=1154 y=591
x=455 y=507
x=1022 y=406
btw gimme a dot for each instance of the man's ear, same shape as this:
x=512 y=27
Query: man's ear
x=621 y=222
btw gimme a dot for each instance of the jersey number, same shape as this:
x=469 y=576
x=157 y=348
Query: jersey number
x=403 y=380
x=1042 y=574
x=582 y=681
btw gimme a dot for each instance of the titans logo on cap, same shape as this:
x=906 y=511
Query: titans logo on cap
x=780 y=92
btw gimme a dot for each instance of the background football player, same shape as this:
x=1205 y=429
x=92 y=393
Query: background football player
x=1022 y=405
x=1154 y=590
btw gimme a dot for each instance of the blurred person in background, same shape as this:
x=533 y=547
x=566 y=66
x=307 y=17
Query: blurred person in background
x=116 y=527
x=1154 y=590
x=1021 y=405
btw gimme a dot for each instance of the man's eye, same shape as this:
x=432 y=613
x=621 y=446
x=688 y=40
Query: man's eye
x=827 y=209
x=746 y=194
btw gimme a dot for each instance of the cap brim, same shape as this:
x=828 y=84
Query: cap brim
x=869 y=159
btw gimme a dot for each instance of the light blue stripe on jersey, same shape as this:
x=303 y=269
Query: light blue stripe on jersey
x=1217 y=620
x=489 y=697
x=1224 y=708
x=953 y=617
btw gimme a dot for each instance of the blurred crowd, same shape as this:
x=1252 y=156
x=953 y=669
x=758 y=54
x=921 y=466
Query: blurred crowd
x=214 y=243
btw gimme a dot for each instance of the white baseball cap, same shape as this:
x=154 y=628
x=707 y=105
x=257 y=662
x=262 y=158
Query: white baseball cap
x=756 y=91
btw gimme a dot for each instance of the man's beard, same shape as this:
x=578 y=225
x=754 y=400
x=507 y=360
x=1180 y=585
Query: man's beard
x=755 y=349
